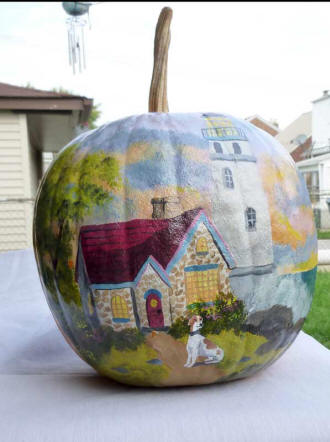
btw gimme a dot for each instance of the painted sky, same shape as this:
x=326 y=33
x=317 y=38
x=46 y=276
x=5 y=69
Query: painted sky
x=166 y=154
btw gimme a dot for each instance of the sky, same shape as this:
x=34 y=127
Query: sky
x=268 y=58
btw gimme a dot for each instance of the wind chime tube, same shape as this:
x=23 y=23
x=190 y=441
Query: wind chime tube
x=78 y=50
x=73 y=42
x=76 y=38
x=70 y=43
x=83 y=46
x=69 y=46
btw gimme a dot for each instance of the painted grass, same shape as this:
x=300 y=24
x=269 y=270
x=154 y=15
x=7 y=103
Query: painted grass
x=139 y=371
x=240 y=347
x=317 y=323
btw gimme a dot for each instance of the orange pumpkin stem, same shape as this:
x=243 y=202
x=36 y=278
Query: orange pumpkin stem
x=158 y=88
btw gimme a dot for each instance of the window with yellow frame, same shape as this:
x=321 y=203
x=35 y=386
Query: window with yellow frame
x=201 y=283
x=119 y=308
x=201 y=246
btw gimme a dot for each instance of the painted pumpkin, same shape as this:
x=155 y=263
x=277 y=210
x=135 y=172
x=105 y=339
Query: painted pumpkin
x=176 y=249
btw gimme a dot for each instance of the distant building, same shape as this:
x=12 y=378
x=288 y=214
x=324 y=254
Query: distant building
x=297 y=136
x=32 y=123
x=316 y=165
x=270 y=127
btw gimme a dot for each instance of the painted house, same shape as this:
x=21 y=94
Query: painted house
x=146 y=272
x=32 y=123
x=239 y=202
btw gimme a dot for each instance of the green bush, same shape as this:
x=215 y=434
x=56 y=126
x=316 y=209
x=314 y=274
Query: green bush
x=226 y=313
x=127 y=339
x=179 y=328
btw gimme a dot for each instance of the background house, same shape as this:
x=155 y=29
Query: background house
x=297 y=136
x=316 y=165
x=32 y=123
x=269 y=126
x=307 y=139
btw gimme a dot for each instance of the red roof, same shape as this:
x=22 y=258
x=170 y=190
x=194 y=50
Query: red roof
x=114 y=253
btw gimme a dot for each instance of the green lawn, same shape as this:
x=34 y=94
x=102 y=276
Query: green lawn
x=323 y=234
x=317 y=323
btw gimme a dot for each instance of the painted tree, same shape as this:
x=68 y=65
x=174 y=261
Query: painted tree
x=72 y=188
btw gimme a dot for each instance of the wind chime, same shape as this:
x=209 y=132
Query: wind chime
x=76 y=23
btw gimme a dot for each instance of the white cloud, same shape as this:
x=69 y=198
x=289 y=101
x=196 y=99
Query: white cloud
x=242 y=58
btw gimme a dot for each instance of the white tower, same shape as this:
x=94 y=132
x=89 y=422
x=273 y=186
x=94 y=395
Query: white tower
x=239 y=204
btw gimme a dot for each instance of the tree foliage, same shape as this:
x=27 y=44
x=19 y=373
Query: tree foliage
x=72 y=188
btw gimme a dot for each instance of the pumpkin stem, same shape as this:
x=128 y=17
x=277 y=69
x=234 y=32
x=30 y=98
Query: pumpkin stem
x=158 y=88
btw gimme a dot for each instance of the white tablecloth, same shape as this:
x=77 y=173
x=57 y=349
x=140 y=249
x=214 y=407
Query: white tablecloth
x=48 y=394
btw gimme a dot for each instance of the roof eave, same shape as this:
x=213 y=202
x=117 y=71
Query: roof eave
x=53 y=104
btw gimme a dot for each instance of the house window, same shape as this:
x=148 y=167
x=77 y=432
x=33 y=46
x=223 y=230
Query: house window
x=119 y=309
x=228 y=178
x=217 y=147
x=237 y=148
x=201 y=246
x=313 y=186
x=201 y=283
x=250 y=219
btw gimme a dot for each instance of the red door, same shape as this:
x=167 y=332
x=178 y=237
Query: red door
x=154 y=311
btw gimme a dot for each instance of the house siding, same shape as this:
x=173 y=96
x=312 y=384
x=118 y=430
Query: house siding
x=15 y=183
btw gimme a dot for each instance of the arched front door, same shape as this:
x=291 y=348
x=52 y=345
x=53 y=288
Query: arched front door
x=155 y=311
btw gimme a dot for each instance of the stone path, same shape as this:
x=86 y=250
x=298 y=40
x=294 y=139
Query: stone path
x=174 y=354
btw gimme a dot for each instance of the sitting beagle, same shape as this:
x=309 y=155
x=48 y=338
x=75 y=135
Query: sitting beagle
x=198 y=345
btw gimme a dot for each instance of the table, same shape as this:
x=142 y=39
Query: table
x=48 y=394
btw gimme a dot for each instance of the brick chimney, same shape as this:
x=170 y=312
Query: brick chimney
x=166 y=207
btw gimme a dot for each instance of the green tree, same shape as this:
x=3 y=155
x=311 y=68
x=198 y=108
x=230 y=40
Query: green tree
x=72 y=188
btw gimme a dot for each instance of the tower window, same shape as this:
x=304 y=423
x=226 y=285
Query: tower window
x=250 y=219
x=237 y=148
x=217 y=147
x=228 y=178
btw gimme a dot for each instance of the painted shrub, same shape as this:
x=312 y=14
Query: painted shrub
x=176 y=248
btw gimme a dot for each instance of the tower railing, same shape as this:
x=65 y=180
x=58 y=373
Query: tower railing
x=224 y=133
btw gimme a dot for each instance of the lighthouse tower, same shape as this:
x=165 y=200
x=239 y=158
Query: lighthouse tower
x=239 y=204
